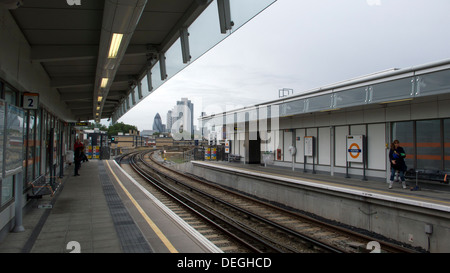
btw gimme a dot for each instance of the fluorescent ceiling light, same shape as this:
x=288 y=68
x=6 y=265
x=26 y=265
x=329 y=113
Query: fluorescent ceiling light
x=100 y=98
x=115 y=44
x=104 y=82
x=98 y=108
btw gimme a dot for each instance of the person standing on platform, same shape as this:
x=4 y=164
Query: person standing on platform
x=78 y=149
x=397 y=158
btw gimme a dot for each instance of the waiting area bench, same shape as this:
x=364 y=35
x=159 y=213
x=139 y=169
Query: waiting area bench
x=234 y=158
x=427 y=176
x=44 y=185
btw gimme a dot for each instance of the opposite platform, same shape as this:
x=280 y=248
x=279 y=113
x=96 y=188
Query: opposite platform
x=417 y=218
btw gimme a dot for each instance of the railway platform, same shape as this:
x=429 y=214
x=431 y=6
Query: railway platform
x=432 y=193
x=102 y=211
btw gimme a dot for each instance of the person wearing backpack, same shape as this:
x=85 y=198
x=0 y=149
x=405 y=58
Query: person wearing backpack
x=397 y=158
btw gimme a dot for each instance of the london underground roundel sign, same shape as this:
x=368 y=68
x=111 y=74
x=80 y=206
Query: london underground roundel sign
x=355 y=148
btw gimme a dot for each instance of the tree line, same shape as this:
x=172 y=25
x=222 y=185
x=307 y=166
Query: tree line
x=113 y=130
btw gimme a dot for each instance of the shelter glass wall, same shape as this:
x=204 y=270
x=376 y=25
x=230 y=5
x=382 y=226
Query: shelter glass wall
x=30 y=149
x=447 y=145
x=429 y=149
x=426 y=143
x=11 y=138
x=404 y=133
x=10 y=95
x=7 y=190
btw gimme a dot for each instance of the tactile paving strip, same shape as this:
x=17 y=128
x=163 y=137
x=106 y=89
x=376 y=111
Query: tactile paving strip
x=131 y=238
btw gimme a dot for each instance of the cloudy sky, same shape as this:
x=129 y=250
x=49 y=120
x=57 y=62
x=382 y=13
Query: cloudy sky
x=302 y=45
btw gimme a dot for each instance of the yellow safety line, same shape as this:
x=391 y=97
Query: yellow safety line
x=155 y=228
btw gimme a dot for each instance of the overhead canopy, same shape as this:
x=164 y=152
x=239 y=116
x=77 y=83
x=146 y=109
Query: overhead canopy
x=74 y=42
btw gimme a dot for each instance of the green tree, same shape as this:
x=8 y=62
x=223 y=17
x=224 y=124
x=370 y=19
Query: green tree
x=120 y=127
x=100 y=126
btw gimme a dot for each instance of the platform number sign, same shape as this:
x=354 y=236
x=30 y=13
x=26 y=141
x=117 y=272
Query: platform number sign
x=30 y=101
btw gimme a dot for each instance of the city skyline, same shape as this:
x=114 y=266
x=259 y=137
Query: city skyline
x=178 y=118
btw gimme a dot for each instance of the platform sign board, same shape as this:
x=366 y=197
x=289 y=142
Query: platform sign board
x=30 y=101
x=227 y=146
x=309 y=145
x=355 y=148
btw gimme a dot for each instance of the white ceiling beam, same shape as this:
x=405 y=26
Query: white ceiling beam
x=55 y=53
x=72 y=96
x=68 y=82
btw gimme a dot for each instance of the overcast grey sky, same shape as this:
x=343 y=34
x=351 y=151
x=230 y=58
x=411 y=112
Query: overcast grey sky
x=304 y=44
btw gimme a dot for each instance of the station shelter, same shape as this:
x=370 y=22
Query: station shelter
x=63 y=62
x=346 y=129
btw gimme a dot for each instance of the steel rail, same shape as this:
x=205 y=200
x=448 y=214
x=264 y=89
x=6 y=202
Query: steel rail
x=387 y=246
x=237 y=232
x=286 y=230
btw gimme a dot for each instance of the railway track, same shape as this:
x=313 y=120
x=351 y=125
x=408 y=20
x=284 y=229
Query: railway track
x=249 y=224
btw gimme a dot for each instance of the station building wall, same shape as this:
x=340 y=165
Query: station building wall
x=19 y=75
x=421 y=125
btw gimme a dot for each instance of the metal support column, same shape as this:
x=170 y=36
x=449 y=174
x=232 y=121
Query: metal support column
x=18 y=185
x=162 y=66
x=184 y=38
x=224 y=15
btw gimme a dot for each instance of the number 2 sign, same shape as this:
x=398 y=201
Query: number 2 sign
x=30 y=101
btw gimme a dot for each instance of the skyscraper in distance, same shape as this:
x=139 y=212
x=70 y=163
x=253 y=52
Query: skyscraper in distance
x=157 y=124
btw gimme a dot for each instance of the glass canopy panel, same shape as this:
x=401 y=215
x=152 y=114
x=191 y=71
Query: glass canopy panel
x=174 y=59
x=392 y=90
x=204 y=33
x=243 y=11
x=156 y=77
x=433 y=83
x=351 y=97
x=135 y=96
x=319 y=103
x=292 y=108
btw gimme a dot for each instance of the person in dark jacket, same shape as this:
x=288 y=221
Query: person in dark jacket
x=78 y=149
x=397 y=158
